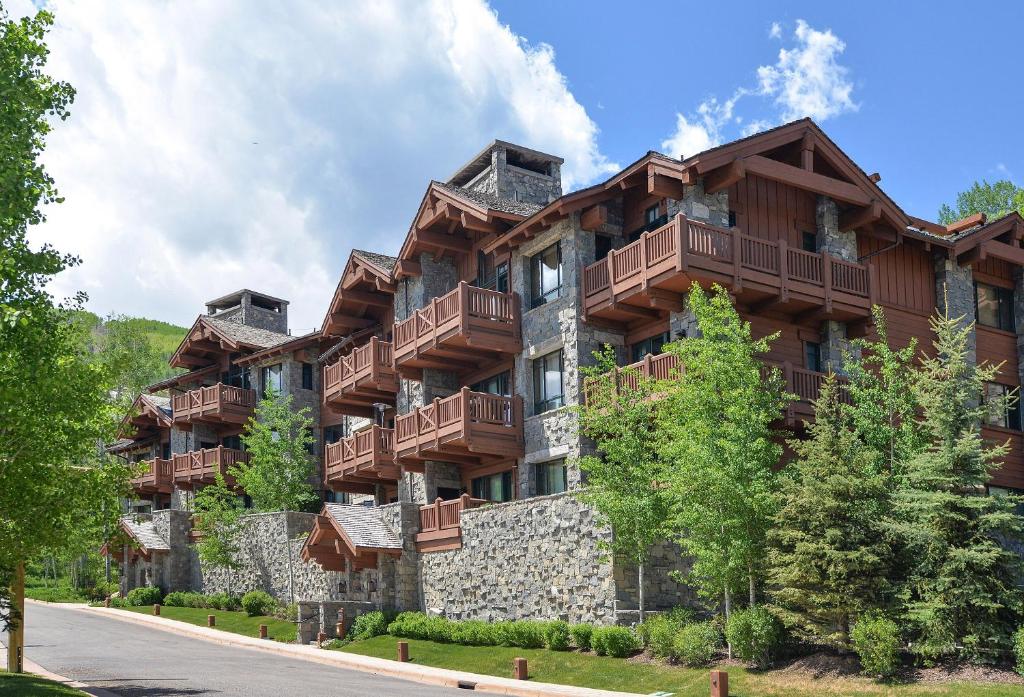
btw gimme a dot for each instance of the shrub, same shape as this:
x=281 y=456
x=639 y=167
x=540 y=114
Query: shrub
x=288 y=613
x=118 y=602
x=416 y=625
x=475 y=633
x=101 y=590
x=144 y=595
x=696 y=644
x=876 y=640
x=556 y=636
x=658 y=634
x=1018 y=650
x=524 y=634
x=187 y=599
x=754 y=634
x=581 y=634
x=618 y=642
x=368 y=625
x=223 y=601
x=256 y=603
x=335 y=644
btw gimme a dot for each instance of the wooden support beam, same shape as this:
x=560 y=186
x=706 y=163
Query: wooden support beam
x=407 y=267
x=634 y=310
x=665 y=300
x=859 y=217
x=367 y=298
x=725 y=177
x=807 y=152
x=993 y=248
x=594 y=217
x=802 y=179
x=663 y=185
x=353 y=322
x=449 y=242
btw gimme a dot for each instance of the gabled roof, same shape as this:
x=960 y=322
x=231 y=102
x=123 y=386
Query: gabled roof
x=182 y=379
x=979 y=242
x=363 y=525
x=146 y=417
x=295 y=344
x=347 y=532
x=210 y=335
x=144 y=534
x=363 y=295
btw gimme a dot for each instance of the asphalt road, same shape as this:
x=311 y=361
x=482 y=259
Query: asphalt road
x=136 y=661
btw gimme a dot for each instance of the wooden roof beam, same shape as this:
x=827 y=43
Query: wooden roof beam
x=444 y=241
x=802 y=179
x=367 y=298
x=408 y=267
x=663 y=185
x=724 y=177
x=349 y=321
x=859 y=217
x=807 y=152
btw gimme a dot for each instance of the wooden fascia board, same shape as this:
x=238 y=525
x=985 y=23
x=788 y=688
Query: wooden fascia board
x=986 y=233
x=802 y=179
x=349 y=545
x=707 y=162
x=408 y=267
x=1006 y=252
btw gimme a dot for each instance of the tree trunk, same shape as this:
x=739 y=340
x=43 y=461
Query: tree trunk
x=728 y=611
x=640 y=577
x=753 y=587
x=16 y=636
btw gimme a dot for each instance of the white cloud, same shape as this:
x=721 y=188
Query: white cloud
x=806 y=80
x=216 y=146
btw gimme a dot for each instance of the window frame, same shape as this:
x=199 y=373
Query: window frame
x=265 y=372
x=508 y=486
x=307 y=372
x=648 y=343
x=538 y=294
x=1011 y=416
x=1004 y=320
x=813 y=348
x=543 y=480
x=542 y=401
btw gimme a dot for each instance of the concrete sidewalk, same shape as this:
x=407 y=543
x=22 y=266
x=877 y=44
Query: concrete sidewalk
x=368 y=664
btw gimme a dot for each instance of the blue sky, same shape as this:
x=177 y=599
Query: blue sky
x=254 y=143
x=938 y=84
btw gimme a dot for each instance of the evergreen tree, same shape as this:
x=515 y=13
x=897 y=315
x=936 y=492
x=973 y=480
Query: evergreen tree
x=623 y=478
x=829 y=560
x=962 y=592
x=719 y=451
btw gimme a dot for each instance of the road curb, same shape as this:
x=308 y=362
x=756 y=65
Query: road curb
x=367 y=664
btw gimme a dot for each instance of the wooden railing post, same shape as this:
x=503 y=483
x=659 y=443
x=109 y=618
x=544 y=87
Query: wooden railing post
x=611 y=274
x=872 y=278
x=433 y=321
x=737 y=260
x=643 y=260
x=783 y=247
x=826 y=279
x=647 y=366
x=463 y=307
x=683 y=242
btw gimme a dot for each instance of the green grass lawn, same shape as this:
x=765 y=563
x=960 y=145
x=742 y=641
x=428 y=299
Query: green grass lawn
x=25 y=685
x=55 y=594
x=228 y=621
x=587 y=670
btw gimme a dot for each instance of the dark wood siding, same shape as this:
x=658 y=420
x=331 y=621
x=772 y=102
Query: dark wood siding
x=771 y=210
x=905 y=273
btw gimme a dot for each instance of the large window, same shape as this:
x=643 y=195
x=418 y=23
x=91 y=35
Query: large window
x=552 y=477
x=236 y=377
x=652 y=345
x=496 y=384
x=1004 y=418
x=272 y=379
x=490 y=275
x=812 y=356
x=546 y=275
x=493 y=487
x=307 y=376
x=548 y=390
x=994 y=305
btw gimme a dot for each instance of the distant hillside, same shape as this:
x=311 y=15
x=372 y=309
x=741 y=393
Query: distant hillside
x=164 y=337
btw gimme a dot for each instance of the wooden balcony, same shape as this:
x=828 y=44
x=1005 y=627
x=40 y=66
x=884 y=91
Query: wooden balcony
x=362 y=378
x=358 y=463
x=441 y=523
x=218 y=403
x=158 y=479
x=652 y=273
x=470 y=428
x=805 y=384
x=200 y=467
x=467 y=328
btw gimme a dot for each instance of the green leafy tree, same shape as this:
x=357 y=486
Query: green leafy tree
x=883 y=405
x=995 y=200
x=962 y=592
x=53 y=400
x=719 y=451
x=129 y=357
x=279 y=440
x=623 y=478
x=218 y=512
x=829 y=559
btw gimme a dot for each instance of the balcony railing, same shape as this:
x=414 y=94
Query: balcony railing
x=462 y=329
x=685 y=249
x=362 y=378
x=202 y=466
x=217 y=403
x=805 y=384
x=157 y=479
x=357 y=463
x=467 y=427
x=441 y=523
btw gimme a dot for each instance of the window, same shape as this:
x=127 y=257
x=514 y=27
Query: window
x=552 y=478
x=548 y=391
x=1005 y=418
x=994 y=306
x=272 y=379
x=307 y=376
x=546 y=275
x=602 y=245
x=651 y=215
x=332 y=434
x=496 y=384
x=812 y=356
x=652 y=345
x=234 y=442
x=493 y=487
x=236 y=377
x=732 y=218
x=809 y=241
x=165 y=453
x=489 y=275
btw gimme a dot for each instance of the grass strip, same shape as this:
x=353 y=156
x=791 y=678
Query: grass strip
x=236 y=622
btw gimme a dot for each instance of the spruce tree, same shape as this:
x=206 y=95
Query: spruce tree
x=828 y=561
x=962 y=594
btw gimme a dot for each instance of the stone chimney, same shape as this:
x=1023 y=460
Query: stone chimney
x=512 y=172
x=252 y=309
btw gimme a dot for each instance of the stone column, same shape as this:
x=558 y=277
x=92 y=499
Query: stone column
x=842 y=245
x=954 y=293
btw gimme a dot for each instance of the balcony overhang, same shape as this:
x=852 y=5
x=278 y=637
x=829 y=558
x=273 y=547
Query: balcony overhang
x=359 y=463
x=364 y=377
x=201 y=467
x=217 y=404
x=158 y=479
x=356 y=536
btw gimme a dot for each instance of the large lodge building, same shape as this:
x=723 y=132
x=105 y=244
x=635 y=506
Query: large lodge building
x=441 y=378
